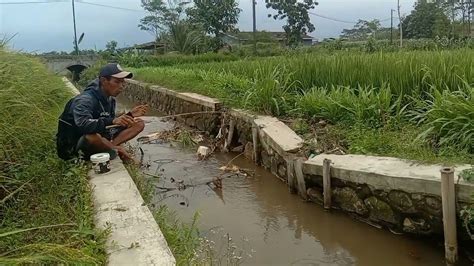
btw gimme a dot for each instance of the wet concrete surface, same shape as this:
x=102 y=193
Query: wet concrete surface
x=267 y=224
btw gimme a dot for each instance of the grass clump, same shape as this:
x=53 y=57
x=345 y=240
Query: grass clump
x=46 y=212
x=429 y=92
x=182 y=238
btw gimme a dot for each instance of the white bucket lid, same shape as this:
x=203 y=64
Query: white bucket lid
x=100 y=157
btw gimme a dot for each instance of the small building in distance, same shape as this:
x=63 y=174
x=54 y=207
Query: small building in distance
x=246 y=37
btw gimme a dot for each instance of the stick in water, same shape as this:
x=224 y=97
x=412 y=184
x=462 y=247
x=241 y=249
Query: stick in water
x=177 y=115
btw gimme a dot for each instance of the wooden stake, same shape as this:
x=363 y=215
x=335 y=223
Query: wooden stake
x=290 y=165
x=230 y=135
x=449 y=215
x=327 y=183
x=255 y=143
x=300 y=178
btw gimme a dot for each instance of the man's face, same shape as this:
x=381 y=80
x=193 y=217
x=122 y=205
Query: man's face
x=112 y=87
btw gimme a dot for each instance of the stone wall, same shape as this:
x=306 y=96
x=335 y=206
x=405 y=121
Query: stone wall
x=171 y=103
x=392 y=193
x=401 y=195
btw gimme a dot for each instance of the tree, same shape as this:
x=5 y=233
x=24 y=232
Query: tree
x=298 y=21
x=362 y=30
x=427 y=20
x=154 y=21
x=182 y=37
x=111 y=47
x=215 y=16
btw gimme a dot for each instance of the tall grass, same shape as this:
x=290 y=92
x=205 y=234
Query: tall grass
x=411 y=73
x=183 y=239
x=449 y=117
x=41 y=194
x=378 y=90
x=371 y=107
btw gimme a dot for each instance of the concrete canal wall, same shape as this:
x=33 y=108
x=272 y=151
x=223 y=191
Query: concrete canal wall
x=400 y=195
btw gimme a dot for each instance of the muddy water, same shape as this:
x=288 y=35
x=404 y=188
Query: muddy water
x=268 y=225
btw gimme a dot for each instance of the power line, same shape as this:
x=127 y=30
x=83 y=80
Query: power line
x=340 y=20
x=114 y=7
x=30 y=2
x=333 y=19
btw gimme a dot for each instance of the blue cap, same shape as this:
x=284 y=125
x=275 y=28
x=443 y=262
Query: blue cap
x=114 y=70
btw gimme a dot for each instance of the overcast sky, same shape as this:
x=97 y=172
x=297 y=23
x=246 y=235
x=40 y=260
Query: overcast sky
x=48 y=26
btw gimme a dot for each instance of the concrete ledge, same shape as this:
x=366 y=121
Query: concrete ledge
x=70 y=86
x=212 y=103
x=242 y=114
x=191 y=97
x=280 y=137
x=163 y=90
x=135 y=237
x=388 y=173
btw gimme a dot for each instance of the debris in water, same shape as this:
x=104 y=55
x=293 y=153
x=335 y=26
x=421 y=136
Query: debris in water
x=238 y=149
x=217 y=182
x=203 y=152
x=230 y=168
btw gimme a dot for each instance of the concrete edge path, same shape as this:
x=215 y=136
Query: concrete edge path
x=135 y=238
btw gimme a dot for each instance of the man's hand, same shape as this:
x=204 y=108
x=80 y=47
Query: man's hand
x=125 y=156
x=124 y=120
x=139 y=110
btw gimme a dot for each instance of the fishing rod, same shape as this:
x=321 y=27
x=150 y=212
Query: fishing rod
x=177 y=115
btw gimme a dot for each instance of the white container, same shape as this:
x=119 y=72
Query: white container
x=101 y=162
x=203 y=152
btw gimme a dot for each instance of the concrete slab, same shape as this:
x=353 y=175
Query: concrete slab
x=136 y=82
x=164 y=90
x=242 y=114
x=135 y=237
x=278 y=135
x=70 y=86
x=389 y=173
x=212 y=103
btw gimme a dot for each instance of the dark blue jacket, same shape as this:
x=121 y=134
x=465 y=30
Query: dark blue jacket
x=87 y=113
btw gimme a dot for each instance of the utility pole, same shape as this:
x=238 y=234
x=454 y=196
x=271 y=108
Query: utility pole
x=453 y=11
x=254 y=27
x=75 y=34
x=401 y=25
x=391 y=25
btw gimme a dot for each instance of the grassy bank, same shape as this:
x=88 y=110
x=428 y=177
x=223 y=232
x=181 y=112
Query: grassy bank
x=46 y=209
x=183 y=239
x=420 y=105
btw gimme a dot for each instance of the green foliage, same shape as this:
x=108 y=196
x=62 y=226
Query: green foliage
x=185 y=139
x=270 y=92
x=401 y=142
x=427 y=20
x=297 y=18
x=111 y=47
x=467 y=216
x=377 y=91
x=143 y=184
x=90 y=74
x=449 y=117
x=214 y=16
x=46 y=208
x=183 y=239
x=362 y=30
x=467 y=175
x=183 y=38
x=372 y=107
x=154 y=21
